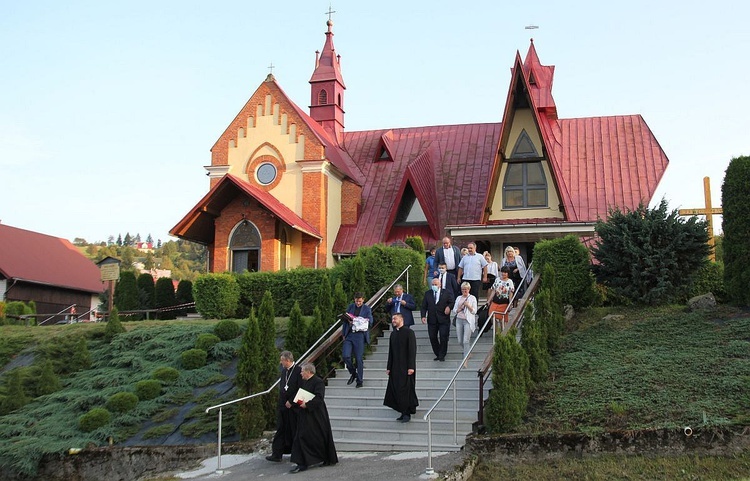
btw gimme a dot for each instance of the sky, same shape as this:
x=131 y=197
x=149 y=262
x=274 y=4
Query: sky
x=108 y=110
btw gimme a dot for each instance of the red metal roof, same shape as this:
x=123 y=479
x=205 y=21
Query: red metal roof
x=198 y=224
x=42 y=259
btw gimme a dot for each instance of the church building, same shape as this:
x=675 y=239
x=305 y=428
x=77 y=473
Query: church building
x=290 y=188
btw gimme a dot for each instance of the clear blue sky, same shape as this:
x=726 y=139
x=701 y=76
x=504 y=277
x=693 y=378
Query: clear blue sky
x=108 y=110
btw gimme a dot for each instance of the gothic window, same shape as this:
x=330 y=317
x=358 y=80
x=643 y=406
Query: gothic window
x=524 y=147
x=525 y=186
x=244 y=246
x=322 y=97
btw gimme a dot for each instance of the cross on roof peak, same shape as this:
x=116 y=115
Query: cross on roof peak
x=330 y=12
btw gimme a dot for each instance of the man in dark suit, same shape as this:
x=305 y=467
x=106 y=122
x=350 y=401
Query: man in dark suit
x=356 y=337
x=436 y=310
x=401 y=303
x=448 y=281
x=449 y=255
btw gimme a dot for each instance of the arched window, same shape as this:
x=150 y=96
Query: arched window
x=322 y=97
x=244 y=245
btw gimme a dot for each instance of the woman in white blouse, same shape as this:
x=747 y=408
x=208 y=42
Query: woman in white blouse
x=465 y=309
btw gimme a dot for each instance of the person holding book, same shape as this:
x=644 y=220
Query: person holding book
x=356 y=335
x=313 y=444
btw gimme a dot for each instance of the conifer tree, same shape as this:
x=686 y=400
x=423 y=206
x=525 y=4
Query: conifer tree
x=534 y=342
x=164 y=297
x=48 y=382
x=269 y=355
x=126 y=292
x=184 y=294
x=359 y=281
x=251 y=419
x=340 y=301
x=511 y=382
x=145 y=283
x=735 y=199
x=325 y=301
x=16 y=397
x=314 y=327
x=296 y=335
x=114 y=326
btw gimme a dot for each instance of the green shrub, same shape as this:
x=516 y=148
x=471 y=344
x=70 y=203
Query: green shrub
x=206 y=341
x=165 y=374
x=572 y=265
x=735 y=198
x=145 y=283
x=47 y=382
x=216 y=295
x=159 y=431
x=227 y=330
x=122 y=402
x=15 y=309
x=164 y=297
x=709 y=278
x=94 y=419
x=296 y=336
x=126 y=292
x=193 y=358
x=148 y=389
x=649 y=256
x=416 y=243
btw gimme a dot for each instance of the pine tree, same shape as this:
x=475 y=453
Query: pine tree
x=359 y=281
x=735 y=199
x=296 y=336
x=184 y=294
x=16 y=397
x=269 y=355
x=119 y=240
x=511 y=381
x=48 y=382
x=164 y=297
x=534 y=342
x=150 y=239
x=314 y=328
x=127 y=241
x=250 y=417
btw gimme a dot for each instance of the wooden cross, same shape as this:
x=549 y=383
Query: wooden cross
x=709 y=212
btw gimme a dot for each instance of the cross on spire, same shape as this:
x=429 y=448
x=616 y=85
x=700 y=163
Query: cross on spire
x=270 y=68
x=330 y=12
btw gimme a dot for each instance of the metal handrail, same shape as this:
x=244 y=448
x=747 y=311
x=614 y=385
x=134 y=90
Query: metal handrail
x=452 y=383
x=55 y=315
x=371 y=302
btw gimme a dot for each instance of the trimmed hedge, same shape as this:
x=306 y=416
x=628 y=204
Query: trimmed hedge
x=571 y=261
x=193 y=358
x=206 y=341
x=225 y=330
x=165 y=374
x=122 y=402
x=94 y=419
x=216 y=295
x=148 y=389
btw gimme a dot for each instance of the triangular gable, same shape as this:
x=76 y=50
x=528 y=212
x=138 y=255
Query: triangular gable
x=524 y=147
x=384 y=151
x=546 y=127
x=198 y=224
x=420 y=177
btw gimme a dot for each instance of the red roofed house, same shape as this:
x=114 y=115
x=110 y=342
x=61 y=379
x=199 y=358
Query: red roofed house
x=47 y=270
x=290 y=189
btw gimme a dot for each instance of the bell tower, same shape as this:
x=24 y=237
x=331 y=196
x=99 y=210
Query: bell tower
x=327 y=88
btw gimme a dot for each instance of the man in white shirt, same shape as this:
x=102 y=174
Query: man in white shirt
x=448 y=255
x=473 y=269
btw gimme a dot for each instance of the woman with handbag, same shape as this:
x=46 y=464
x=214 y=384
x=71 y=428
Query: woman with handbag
x=502 y=294
x=465 y=309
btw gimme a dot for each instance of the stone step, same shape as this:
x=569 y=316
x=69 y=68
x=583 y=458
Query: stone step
x=410 y=433
x=362 y=444
x=466 y=412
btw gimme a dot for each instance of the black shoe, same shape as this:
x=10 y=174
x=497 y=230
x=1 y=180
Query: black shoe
x=359 y=384
x=436 y=359
x=273 y=459
x=400 y=418
x=442 y=359
x=351 y=379
x=298 y=469
x=406 y=418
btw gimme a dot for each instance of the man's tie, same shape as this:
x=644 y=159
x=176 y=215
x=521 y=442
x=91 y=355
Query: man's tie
x=398 y=304
x=442 y=281
x=437 y=296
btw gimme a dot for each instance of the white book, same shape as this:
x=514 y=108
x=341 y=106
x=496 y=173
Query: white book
x=303 y=395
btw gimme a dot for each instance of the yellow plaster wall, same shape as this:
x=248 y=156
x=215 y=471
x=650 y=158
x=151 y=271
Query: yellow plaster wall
x=271 y=129
x=334 y=216
x=523 y=119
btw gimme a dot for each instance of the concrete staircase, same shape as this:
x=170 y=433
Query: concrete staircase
x=360 y=422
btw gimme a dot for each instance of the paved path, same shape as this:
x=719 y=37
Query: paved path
x=351 y=466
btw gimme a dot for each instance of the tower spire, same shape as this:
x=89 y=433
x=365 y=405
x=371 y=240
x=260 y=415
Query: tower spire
x=327 y=86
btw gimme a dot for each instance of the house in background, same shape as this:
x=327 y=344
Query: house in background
x=47 y=270
x=289 y=189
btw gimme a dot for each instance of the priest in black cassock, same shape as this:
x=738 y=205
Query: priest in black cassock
x=401 y=392
x=313 y=444
x=286 y=417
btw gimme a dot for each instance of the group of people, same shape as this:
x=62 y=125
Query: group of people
x=303 y=425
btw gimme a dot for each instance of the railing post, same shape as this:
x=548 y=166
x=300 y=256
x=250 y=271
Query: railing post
x=219 y=471
x=429 y=471
x=455 y=414
x=481 y=397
